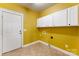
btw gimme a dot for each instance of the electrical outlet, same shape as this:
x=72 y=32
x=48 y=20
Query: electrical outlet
x=44 y=32
x=66 y=46
x=74 y=49
x=40 y=35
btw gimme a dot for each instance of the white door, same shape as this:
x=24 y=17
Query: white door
x=12 y=35
x=73 y=16
x=60 y=18
x=0 y=32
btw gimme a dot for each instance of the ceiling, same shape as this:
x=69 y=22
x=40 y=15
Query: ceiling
x=37 y=6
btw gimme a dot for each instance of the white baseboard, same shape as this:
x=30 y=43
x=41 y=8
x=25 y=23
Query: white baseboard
x=59 y=49
x=31 y=43
x=52 y=46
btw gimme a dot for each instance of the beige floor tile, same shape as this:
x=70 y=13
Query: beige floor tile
x=37 y=49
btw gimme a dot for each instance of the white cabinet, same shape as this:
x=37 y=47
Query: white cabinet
x=73 y=16
x=66 y=17
x=48 y=21
x=55 y=19
x=60 y=18
x=45 y=21
x=41 y=22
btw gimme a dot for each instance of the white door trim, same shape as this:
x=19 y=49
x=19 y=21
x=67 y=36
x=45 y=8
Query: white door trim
x=11 y=11
x=22 y=30
x=17 y=13
x=1 y=35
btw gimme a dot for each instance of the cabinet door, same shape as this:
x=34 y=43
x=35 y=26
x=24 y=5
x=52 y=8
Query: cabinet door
x=48 y=21
x=73 y=16
x=40 y=22
x=45 y=21
x=60 y=18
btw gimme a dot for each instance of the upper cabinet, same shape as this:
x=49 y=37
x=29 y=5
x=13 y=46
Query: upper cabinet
x=45 y=21
x=66 y=17
x=40 y=22
x=60 y=18
x=73 y=14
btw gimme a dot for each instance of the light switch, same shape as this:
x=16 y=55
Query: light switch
x=44 y=32
x=25 y=30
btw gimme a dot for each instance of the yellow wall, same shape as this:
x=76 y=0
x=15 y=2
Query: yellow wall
x=62 y=35
x=29 y=21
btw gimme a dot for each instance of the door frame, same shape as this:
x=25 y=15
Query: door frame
x=22 y=18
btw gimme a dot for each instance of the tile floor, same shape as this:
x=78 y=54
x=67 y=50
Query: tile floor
x=37 y=49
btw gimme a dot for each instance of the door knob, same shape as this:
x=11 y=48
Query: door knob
x=69 y=24
x=20 y=32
